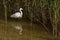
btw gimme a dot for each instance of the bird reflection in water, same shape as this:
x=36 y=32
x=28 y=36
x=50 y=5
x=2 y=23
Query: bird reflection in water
x=19 y=28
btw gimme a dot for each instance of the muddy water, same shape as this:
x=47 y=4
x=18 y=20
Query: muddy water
x=29 y=31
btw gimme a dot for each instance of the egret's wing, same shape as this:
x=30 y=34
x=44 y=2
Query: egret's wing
x=15 y=15
x=18 y=14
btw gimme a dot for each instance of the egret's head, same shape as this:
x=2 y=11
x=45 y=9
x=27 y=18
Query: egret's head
x=21 y=9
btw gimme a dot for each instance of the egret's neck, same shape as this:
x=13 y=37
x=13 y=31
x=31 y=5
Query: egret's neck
x=21 y=12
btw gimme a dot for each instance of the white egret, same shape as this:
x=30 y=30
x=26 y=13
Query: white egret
x=17 y=14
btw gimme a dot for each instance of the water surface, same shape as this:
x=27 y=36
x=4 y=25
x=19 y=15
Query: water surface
x=30 y=31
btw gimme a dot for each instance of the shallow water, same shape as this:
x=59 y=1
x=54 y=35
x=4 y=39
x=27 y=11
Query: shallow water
x=29 y=32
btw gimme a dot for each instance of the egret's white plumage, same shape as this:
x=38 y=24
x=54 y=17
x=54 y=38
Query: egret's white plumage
x=17 y=14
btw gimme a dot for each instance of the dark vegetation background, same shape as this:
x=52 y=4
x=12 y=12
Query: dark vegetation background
x=44 y=12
